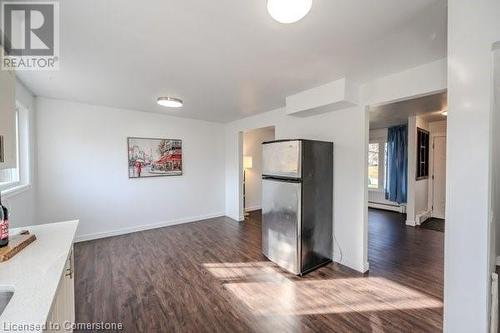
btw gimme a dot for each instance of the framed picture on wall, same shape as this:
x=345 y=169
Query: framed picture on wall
x=149 y=157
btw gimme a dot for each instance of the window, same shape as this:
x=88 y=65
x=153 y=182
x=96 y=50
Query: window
x=376 y=164
x=422 y=154
x=18 y=176
x=373 y=165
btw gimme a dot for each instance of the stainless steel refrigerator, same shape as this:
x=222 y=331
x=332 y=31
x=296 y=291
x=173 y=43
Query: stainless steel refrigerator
x=297 y=203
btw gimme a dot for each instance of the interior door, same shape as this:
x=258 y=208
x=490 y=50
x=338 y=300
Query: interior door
x=439 y=177
x=281 y=217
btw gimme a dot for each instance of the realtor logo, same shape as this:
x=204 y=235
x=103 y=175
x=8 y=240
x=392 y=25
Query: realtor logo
x=30 y=35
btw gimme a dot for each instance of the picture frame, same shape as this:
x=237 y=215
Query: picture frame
x=154 y=157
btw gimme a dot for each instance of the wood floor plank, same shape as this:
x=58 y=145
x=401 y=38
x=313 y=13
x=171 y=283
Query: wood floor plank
x=210 y=276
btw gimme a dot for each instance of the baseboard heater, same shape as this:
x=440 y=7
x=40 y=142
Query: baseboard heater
x=386 y=206
x=422 y=217
x=494 y=304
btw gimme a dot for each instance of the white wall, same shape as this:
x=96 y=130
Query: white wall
x=414 y=82
x=438 y=127
x=83 y=171
x=379 y=134
x=22 y=202
x=473 y=26
x=252 y=146
x=496 y=150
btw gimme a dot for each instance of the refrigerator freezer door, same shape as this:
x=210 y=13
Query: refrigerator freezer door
x=281 y=218
x=282 y=159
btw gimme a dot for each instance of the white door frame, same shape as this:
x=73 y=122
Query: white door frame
x=431 y=169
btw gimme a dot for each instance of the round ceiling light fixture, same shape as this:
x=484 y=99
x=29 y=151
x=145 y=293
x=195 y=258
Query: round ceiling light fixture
x=170 y=102
x=288 y=11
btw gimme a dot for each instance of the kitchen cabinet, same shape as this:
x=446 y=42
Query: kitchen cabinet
x=42 y=278
x=7 y=120
x=62 y=312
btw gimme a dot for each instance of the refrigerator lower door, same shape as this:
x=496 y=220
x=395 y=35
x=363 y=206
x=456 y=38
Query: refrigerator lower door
x=281 y=218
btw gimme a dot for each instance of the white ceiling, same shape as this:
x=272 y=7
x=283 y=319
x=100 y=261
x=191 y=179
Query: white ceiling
x=228 y=59
x=429 y=107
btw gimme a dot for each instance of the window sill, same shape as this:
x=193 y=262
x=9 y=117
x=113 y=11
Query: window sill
x=16 y=190
x=375 y=190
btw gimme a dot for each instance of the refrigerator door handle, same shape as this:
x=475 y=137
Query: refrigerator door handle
x=281 y=179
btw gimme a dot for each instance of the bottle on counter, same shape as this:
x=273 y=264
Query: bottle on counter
x=4 y=224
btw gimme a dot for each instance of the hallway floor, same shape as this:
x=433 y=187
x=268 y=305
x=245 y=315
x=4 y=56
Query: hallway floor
x=434 y=224
x=416 y=255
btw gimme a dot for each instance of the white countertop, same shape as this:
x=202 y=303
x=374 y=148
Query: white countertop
x=34 y=273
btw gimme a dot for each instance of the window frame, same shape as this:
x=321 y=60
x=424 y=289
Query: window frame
x=381 y=163
x=23 y=154
x=14 y=183
x=423 y=154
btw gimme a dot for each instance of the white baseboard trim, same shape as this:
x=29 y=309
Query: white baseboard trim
x=252 y=208
x=392 y=208
x=366 y=267
x=235 y=217
x=422 y=217
x=498 y=261
x=411 y=223
x=129 y=230
x=362 y=268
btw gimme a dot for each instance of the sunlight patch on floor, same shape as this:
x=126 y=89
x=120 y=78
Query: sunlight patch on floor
x=267 y=291
x=262 y=271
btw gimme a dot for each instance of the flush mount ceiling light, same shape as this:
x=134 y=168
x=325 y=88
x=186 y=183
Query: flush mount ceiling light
x=288 y=11
x=170 y=102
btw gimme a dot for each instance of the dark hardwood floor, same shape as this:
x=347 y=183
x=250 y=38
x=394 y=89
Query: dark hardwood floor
x=210 y=276
x=434 y=224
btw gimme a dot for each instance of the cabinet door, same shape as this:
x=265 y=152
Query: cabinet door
x=7 y=120
x=63 y=306
x=68 y=293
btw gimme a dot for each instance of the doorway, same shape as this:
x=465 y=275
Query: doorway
x=438 y=180
x=413 y=181
x=406 y=178
x=252 y=167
